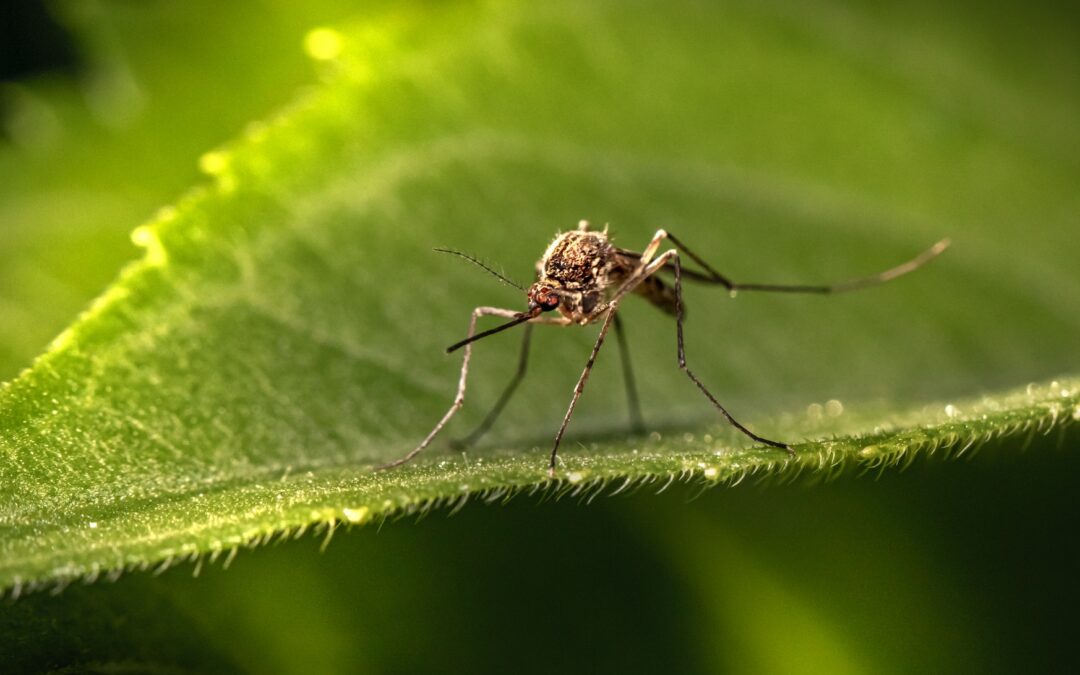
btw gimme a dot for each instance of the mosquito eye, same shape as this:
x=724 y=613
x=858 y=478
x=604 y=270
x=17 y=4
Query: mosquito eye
x=549 y=302
x=543 y=298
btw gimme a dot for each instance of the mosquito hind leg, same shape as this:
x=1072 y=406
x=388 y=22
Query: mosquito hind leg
x=710 y=275
x=459 y=399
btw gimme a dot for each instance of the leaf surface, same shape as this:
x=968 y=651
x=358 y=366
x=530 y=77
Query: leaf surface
x=284 y=331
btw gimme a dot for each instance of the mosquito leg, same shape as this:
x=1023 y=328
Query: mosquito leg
x=579 y=387
x=636 y=421
x=523 y=362
x=712 y=275
x=459 y=399
x=652 y=248
x=682 y=363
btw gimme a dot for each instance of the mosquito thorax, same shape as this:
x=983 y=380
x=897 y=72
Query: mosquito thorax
x=577 y=261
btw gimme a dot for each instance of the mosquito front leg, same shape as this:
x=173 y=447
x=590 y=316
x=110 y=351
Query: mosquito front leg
x=489 y=420
x=459 y=399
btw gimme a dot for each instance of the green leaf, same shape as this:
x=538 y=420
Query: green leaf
x=284 y=331
x=89 y=158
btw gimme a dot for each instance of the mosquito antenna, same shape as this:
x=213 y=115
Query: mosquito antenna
x=522 y=318
x=487 y=268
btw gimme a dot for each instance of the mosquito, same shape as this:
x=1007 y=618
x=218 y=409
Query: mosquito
x=582 y=278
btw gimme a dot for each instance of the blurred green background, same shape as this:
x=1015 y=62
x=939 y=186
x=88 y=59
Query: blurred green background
x=968 y=567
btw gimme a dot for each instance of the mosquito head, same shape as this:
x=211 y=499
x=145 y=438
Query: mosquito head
x=543 y=297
